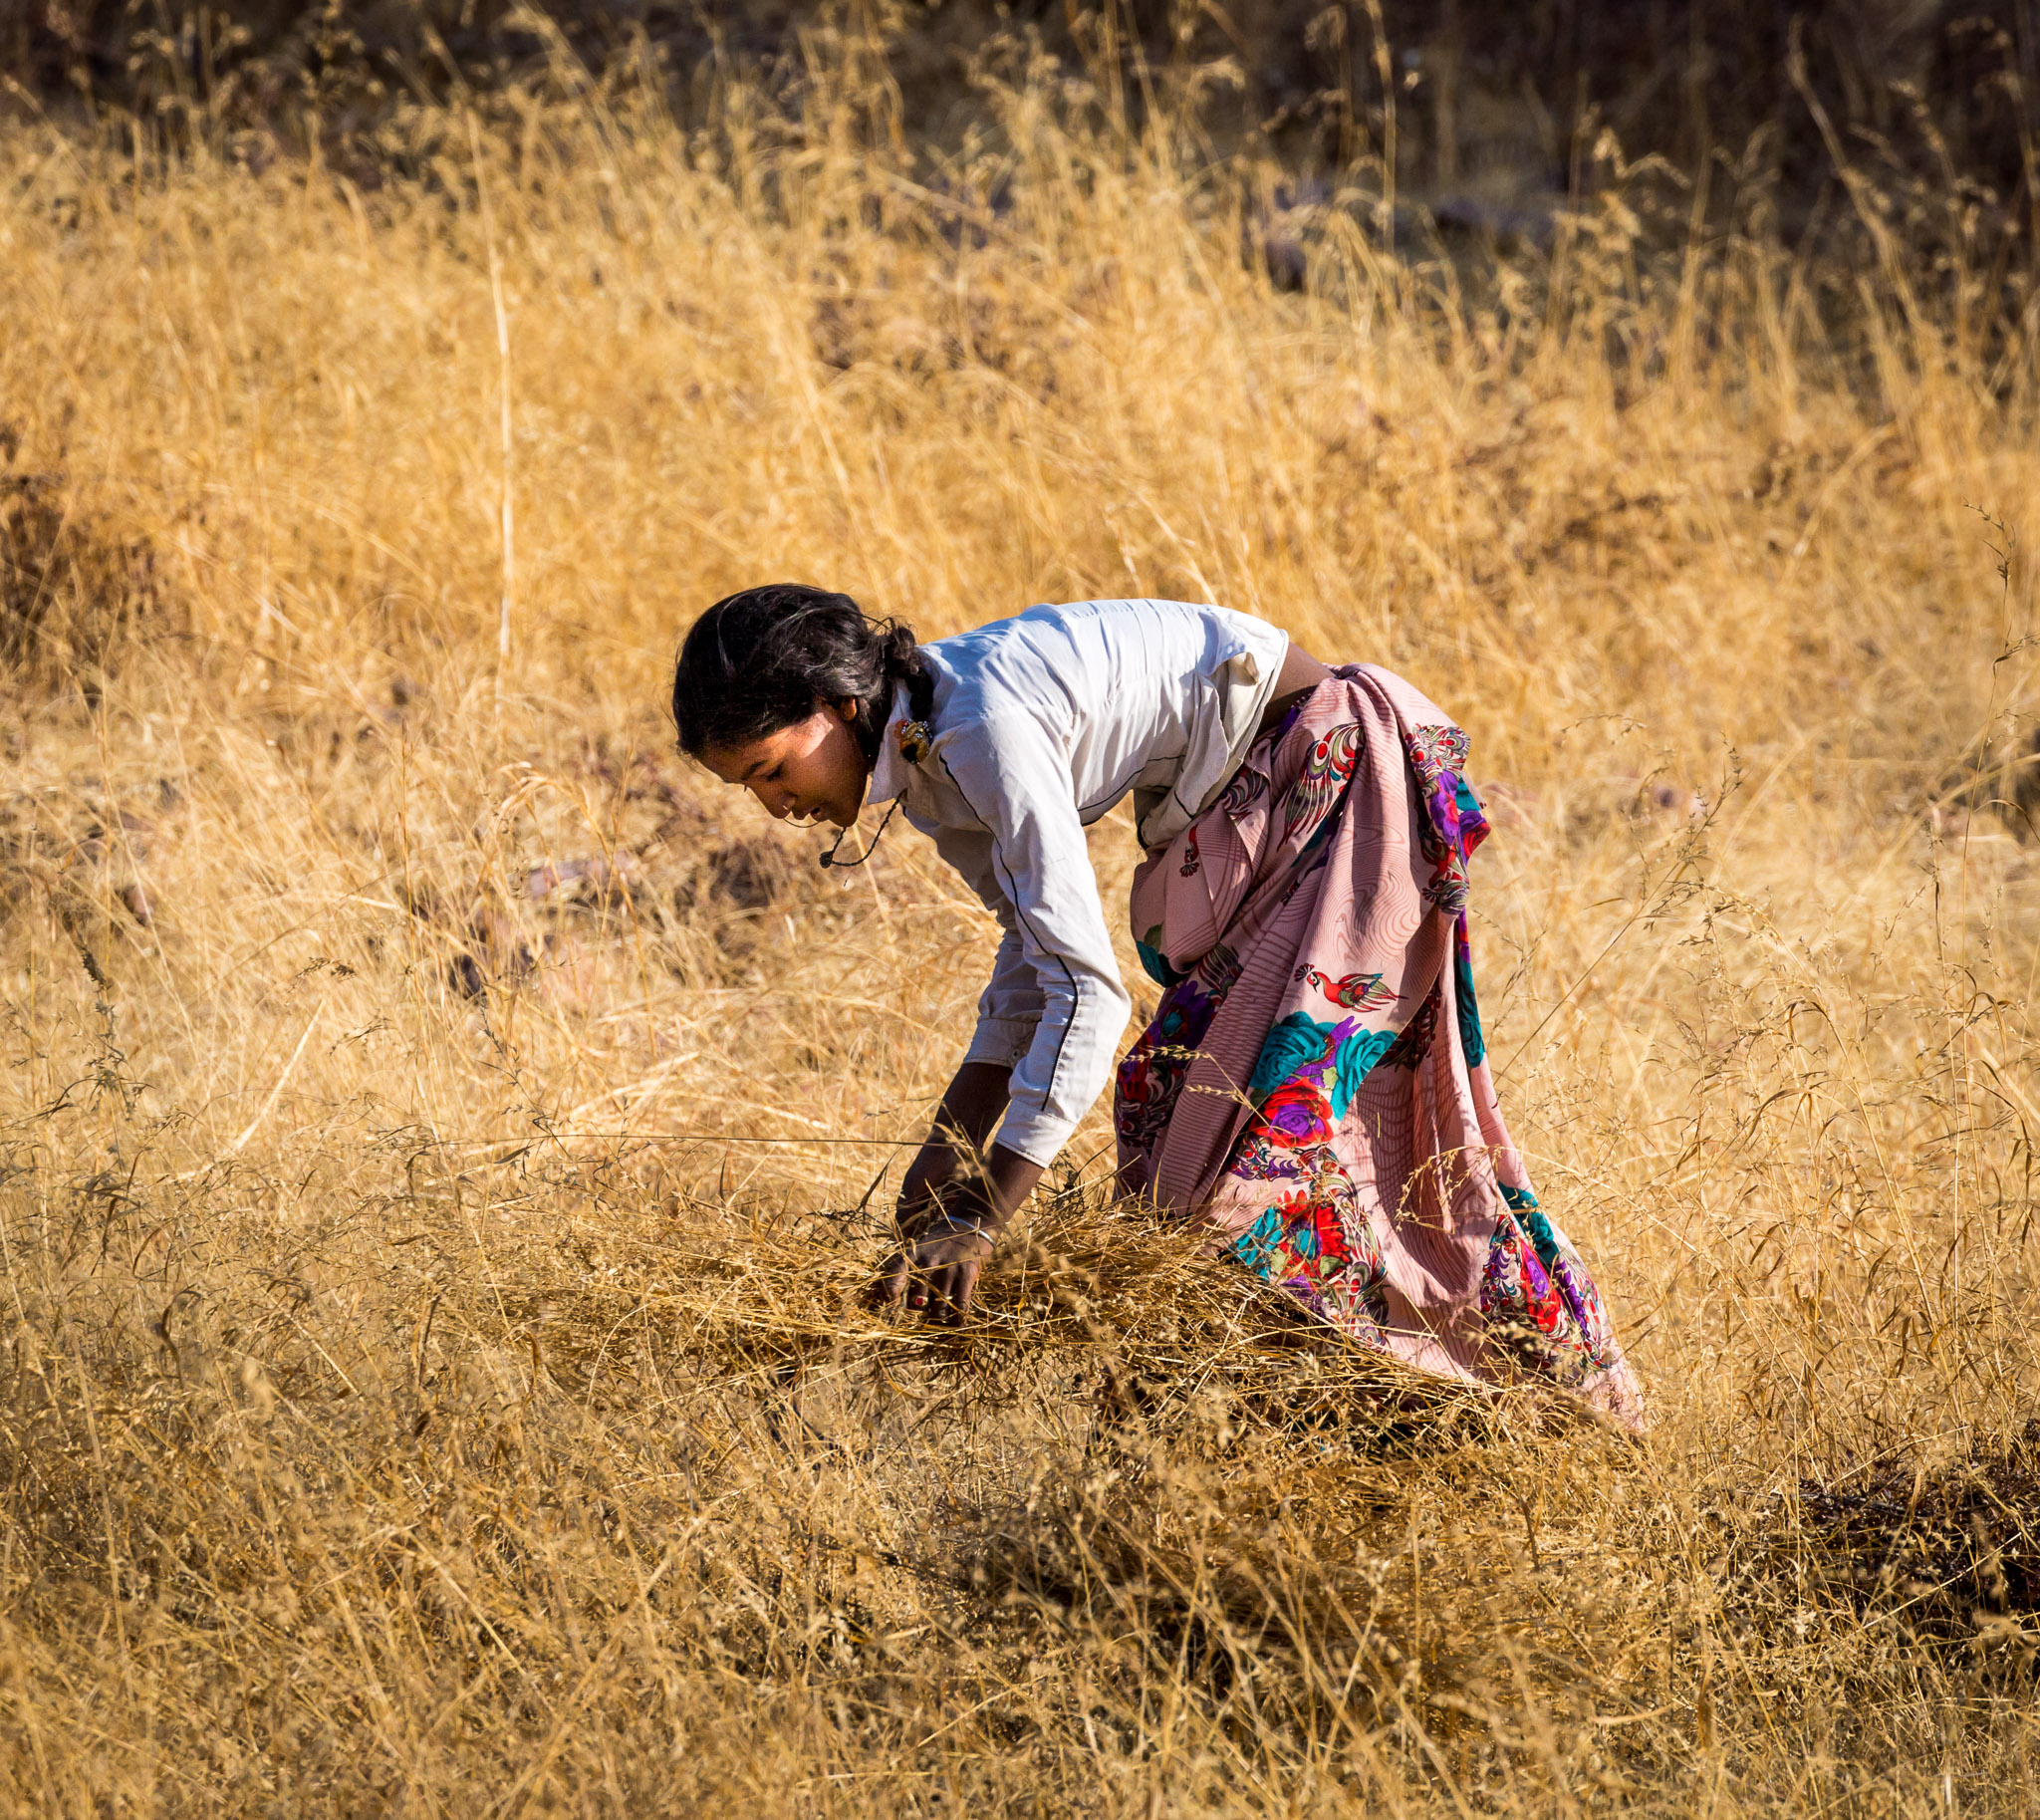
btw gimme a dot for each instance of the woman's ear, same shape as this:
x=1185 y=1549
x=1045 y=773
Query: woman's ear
x=846 y=710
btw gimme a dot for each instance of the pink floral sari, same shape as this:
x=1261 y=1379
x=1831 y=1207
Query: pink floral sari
x=1315 y=1083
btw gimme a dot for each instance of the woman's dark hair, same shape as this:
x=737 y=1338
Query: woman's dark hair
x=765 y=659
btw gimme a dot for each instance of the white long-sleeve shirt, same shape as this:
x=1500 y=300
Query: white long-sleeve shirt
x=1041 y=723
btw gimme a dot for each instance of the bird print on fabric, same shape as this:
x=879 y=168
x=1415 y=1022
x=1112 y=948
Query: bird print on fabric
x=1327 y=770
x=1360 y=993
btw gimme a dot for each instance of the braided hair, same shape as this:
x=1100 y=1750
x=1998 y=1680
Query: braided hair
x=764 y=660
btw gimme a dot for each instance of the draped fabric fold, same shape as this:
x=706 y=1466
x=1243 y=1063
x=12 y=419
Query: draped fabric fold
x=1314 y=1086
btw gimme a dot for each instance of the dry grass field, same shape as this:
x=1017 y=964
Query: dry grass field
x=442 y=1132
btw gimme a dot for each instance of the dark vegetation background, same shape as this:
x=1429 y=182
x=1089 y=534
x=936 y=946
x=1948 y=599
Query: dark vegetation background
x=1486 y=107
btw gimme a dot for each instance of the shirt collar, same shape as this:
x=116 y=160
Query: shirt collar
x=890 y=772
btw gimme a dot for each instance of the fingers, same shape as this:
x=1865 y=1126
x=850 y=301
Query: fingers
x=951 y=1290
x=900 y=1277
x=927 y=1280
x=957 y=1284
x=892 y=1280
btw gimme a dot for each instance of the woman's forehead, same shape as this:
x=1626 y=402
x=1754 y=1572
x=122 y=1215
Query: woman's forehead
x=735 y=764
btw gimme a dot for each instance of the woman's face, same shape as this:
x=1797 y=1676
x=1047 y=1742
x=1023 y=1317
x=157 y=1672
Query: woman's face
x=813 y=769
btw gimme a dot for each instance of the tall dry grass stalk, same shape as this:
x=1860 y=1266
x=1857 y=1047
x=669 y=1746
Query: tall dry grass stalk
x=442 y=1141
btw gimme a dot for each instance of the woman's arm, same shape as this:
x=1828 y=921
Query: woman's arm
x=1029 y=859
x=956 y=1197
x=937 y=1265
x=1026 y=858
x=963 y=1120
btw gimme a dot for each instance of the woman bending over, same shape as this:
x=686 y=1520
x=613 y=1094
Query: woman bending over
x=1312 y=1088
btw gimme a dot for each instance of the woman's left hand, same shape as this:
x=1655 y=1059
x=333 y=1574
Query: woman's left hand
x=945 y=1242
x=937 y=1272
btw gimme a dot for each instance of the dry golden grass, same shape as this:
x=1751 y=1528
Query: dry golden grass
x=439 y=1131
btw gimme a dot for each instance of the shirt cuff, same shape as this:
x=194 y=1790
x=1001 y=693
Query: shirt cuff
x=1003 y=1040
x=1034 y=1134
